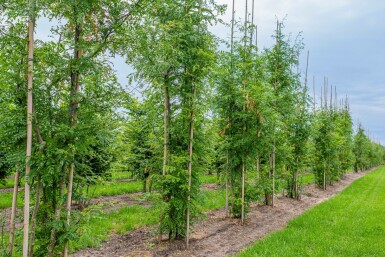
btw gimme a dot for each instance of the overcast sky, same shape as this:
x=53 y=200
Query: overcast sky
x=346 y=41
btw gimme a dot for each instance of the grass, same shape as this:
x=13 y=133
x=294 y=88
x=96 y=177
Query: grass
x=307 y=179
x=7 y=183
x=6 y=200
x=117 y=175
x=350 y=224
x=208 y=179
x=213 y=200
x=99 y=227
x=114 y=188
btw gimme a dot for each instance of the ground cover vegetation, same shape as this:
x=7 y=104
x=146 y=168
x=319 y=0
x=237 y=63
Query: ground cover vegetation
x=240 y=117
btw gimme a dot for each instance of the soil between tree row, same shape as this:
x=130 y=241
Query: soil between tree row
x=217 y=235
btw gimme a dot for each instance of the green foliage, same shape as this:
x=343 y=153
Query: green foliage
x=367 y=154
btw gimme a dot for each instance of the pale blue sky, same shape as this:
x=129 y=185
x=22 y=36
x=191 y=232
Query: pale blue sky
x=346 y=41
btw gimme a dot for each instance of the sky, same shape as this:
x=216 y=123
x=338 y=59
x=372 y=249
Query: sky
x=346 y=41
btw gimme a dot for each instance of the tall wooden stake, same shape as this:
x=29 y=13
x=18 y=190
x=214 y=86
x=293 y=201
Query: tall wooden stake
x=321 y=98
x=256 y=37
x=31 y=24
x=232 y=70
x=314 y=100
x=252 y=22
x=335 y=98
x=307 y=67
x=244 y=109
x=331 y=97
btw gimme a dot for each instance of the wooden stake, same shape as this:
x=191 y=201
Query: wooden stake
x=335 y=97
x=331 y=97
x=244 y=109
x=252 y=22
x=31 y=25
x=307 y=67
x=314 y=100
x=256 y=37
x=321 y=98
x=232 y=74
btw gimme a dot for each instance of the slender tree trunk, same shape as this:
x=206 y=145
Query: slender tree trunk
x=13 y=212
x=58 y=209
x=324 y=179
x=268 y=193
x=227 y=185
x=296 y=188
x=244 y=127
x=74 y=105
x=243 y=193
x=39 y=185
x=144 y=190
x=31 y=25
x=258 y=167
x=190 y=150
x=273 y=175
x=69 y=201
x=165 y=123
x=34 y=216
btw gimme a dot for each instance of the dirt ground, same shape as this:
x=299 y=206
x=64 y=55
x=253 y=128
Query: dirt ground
x=218 y=235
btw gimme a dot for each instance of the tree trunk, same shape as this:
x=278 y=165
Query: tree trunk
x=74 y=105
x=190 y=154
x=69 y=201
x=58 y=208
x=258 y=167
x=243 y=193
x=144 y=190
x=39 y=185
x=227 y=186
x=324 y=179
x=13 y=212
x=31 y=24
x=273 y=176
x=165 y=123
x=34 y=216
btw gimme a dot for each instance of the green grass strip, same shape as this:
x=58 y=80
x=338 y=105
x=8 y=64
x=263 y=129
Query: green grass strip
x=350 y=224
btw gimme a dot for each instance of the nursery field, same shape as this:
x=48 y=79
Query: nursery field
x=137 y=236
x=147 y=133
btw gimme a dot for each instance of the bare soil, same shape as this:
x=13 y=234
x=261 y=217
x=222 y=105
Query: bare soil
x=217 y=235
